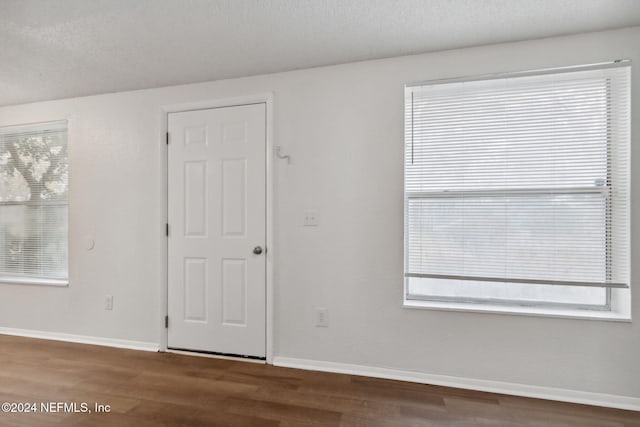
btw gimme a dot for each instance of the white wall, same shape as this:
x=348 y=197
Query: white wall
x=343 y=126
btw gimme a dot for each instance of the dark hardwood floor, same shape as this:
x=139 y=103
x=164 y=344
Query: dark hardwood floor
x=156 y=389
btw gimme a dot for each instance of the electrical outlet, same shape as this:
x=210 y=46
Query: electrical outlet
x=322 y=317
x=108 y=302
x=310 y=218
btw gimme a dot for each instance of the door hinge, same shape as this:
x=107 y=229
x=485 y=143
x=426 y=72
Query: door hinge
x=166 y=322
x=167 y=230
x=167 y=138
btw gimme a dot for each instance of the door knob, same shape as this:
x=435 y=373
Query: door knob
x=257 y=250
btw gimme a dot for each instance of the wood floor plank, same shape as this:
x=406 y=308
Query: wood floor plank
x=289 y=414
x=180 y=415
x=165 y=389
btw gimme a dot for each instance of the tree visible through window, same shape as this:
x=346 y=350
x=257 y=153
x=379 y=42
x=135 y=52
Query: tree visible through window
x=33 y=203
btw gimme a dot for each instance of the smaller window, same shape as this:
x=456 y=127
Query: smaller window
x=33 y=204
x=517 y=192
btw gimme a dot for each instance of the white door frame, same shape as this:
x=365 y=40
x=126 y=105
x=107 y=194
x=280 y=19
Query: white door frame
x=266 y=98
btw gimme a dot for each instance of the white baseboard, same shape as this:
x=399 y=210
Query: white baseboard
x=82 y=339
x=549 y=393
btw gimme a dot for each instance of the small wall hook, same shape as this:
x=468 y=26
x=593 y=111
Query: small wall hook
x=276 y=151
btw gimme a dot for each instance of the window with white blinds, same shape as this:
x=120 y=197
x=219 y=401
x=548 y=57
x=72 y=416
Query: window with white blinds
x=517 y=188
x=33 y=203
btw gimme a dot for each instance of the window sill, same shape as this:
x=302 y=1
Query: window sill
x=520 y=311
x=61 y=283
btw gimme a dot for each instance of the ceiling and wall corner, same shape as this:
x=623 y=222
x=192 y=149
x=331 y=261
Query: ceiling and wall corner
x=68 y=48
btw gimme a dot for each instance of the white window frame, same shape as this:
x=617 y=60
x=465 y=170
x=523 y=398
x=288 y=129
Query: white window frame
x=44 y=127
x=618 y=296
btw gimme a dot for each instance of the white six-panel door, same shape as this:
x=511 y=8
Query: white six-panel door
x=217 y=228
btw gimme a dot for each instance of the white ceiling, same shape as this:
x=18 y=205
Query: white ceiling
x=64 y=48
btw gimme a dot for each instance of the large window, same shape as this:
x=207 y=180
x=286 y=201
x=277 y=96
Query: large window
x=516 y=191
x=33 y=204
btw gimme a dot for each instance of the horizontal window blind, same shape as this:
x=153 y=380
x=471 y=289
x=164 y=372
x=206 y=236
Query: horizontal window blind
x=520 y=179
x=33 y=202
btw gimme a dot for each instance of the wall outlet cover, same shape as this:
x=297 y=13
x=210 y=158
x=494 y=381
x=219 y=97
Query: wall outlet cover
x=322 y=317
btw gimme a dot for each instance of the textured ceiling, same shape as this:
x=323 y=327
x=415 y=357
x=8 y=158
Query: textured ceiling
x=63 y=48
